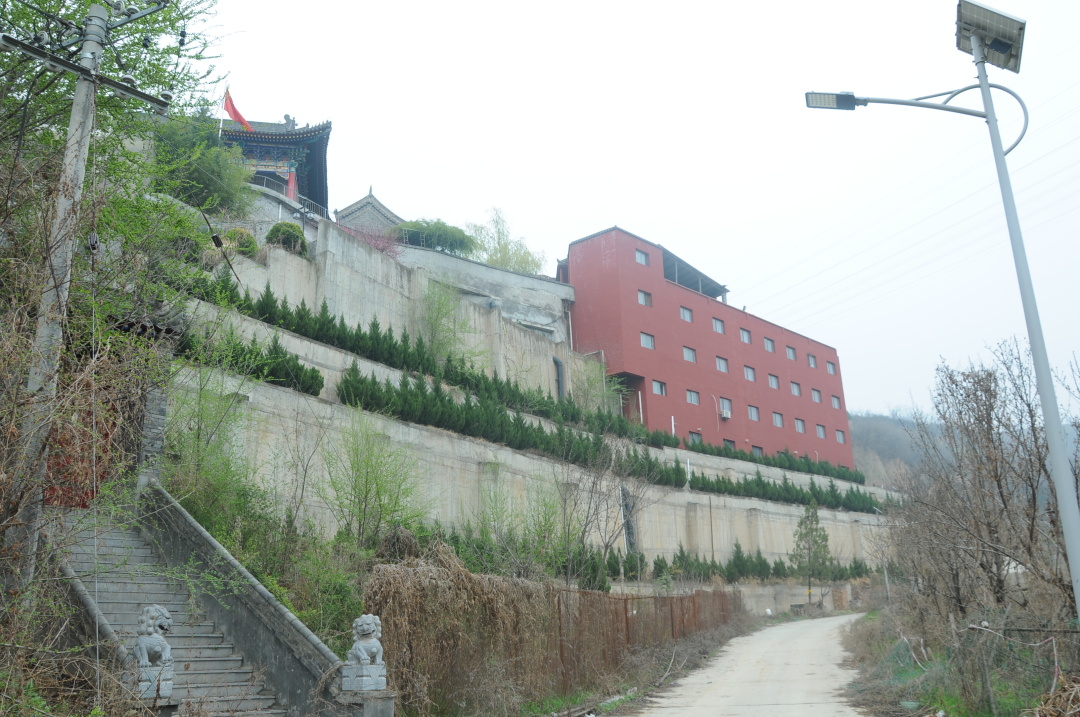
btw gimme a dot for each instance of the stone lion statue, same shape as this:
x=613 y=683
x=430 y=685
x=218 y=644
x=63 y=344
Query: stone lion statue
x=151 y=650
x=366 y=650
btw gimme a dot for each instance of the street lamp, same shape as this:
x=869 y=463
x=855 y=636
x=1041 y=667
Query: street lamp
x=997 y=38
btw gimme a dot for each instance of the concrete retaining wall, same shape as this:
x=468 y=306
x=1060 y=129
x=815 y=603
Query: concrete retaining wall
x=495 y=311
x=287 y=435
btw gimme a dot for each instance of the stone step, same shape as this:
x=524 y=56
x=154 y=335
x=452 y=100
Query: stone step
x=196 y=628
x=125 y=577
x=185 y=641
x=88 y=570
x=227 y=705
x=222 y=649
x=196 y=676
x=126 y=623
x=112 y=538
x=86 y=563
x=194 y=690
x=105 y=547
x=105 y=541
x=217 y=663
x=124 y=588
x=111 y=605
x=256 y=713
x=162 y=595
x=123 y=573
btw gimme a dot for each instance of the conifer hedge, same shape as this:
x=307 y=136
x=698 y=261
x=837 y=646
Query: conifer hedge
x=494 y=408
x=408 y=354
x=273 y=365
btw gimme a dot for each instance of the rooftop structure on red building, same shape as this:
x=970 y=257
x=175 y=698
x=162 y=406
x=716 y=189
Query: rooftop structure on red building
x=695 y=366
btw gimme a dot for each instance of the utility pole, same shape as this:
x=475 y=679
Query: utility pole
x=41 y=385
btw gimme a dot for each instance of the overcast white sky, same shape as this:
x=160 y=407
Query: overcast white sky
x=879 y=231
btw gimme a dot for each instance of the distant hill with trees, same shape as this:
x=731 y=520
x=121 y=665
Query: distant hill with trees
x=882 y=446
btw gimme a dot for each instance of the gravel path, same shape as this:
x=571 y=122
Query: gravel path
x=788 y=669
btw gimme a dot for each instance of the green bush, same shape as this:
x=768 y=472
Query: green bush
x=243 y=240
x=288 y=235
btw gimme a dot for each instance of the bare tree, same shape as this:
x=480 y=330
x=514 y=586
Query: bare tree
x=981 y=531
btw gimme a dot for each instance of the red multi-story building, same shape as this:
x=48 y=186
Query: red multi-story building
x=696 y=366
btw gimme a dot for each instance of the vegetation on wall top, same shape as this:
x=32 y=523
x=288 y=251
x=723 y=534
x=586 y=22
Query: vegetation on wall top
x=404 y=353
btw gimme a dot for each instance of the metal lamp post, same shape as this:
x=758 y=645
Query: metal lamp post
x=997 y=38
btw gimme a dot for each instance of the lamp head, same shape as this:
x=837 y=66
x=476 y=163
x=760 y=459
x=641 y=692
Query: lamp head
x=833 y=100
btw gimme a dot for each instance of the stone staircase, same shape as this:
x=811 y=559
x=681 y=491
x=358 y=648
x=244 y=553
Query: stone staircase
x=122 y=573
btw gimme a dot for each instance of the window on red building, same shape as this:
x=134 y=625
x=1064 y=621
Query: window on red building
x=644 y=298
x=718 y=325
x=641 y=257
x=686 y=314
x=689 y=354
x=648 y=341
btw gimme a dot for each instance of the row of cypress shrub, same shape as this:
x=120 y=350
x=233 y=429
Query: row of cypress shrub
x=273 y=364
x=417 y=401
x=787 y=492
x=408 y=354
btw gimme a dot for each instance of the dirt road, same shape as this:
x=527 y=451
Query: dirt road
x=789 y=669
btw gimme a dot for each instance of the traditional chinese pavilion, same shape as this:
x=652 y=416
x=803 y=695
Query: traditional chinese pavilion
x=288 y=158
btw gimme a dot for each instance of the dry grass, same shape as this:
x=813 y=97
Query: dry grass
x=1062 y=702
x=459 y=643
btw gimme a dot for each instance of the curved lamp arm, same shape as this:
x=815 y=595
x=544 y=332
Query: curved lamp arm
x=848 y=101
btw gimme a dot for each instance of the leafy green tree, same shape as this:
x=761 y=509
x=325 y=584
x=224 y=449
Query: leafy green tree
x=497 y=247
x=436 y=234
x=197 y=168
x=35 y=102
x=810 y=558
x=371 y=486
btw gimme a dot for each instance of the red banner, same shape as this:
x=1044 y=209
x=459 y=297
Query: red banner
x=234 y=113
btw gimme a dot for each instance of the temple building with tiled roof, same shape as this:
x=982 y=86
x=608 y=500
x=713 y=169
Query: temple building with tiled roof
x=367 y=215
x=286 y=158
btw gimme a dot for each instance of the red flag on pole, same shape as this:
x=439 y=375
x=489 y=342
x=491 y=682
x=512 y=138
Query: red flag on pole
x=234 y=114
